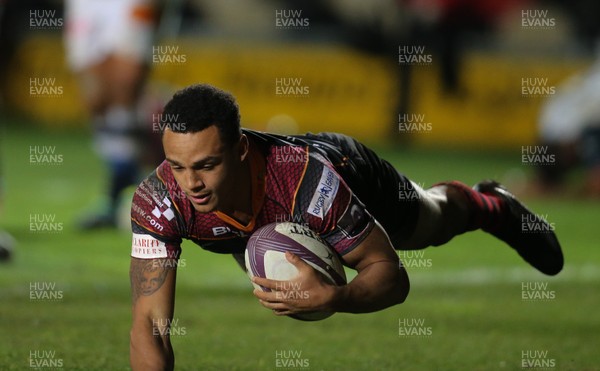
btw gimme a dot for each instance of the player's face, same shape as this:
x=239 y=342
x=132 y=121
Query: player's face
x=204 y=167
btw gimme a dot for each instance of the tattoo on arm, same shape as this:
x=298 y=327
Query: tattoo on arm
x=147 y=276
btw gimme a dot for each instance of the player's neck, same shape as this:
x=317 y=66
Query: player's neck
x=241 y=207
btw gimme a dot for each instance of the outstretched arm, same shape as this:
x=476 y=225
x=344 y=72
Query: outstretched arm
x=153 y=295
x=381 y=282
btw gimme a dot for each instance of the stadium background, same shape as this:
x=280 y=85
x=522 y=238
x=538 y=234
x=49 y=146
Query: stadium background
x=468 y=294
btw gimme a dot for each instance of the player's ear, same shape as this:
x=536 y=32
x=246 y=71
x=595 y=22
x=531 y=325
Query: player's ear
x=243 y=147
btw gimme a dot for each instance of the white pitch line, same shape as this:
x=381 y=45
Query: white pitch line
x=478 y=276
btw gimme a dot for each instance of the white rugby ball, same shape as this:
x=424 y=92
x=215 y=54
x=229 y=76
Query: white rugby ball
x=265 y=257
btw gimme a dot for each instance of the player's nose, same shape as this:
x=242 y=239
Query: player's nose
x=194 y=182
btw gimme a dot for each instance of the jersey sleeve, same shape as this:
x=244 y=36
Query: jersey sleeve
x=154 y=222
x=330 y=208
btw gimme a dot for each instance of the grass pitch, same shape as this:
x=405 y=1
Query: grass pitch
x=64 y=299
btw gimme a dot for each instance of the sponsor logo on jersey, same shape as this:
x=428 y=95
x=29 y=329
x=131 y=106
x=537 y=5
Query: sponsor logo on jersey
x=324 y=194
x=219 y=231
x=145 y=246
x=164 y=210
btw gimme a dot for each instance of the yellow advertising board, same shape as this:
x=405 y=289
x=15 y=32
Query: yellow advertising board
x=301 y=87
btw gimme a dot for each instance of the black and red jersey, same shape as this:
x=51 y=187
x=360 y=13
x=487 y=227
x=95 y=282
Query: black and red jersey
x=294 y=179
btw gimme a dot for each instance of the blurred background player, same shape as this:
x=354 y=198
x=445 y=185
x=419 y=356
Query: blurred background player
x=109 y=44
x=569 y=126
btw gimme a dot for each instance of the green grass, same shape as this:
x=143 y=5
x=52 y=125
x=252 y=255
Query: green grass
x=470 y=297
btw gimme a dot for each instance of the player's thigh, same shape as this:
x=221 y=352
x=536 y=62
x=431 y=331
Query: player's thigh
x=429 y=220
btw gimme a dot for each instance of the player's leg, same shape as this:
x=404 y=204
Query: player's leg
x=415 y=218
x=450 y=209
x=110 y=53
x=118 y=138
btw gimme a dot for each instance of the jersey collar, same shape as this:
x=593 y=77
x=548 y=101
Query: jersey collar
x=258 y=183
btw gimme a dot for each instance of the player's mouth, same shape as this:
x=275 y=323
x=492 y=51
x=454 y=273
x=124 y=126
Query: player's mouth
x=201 y=199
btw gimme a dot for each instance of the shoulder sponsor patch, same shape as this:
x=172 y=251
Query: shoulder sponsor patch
x=145 y=246
x=324 y=194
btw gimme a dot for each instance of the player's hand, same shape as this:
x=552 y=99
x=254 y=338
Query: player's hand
x=308 y=291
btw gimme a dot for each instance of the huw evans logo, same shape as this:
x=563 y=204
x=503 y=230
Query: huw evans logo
x=44 y=87
x=537 y=155
x=291 y=359
x=290 y=19
x=291 y=87
x=413 y=327
x=44 y=19
x=411 y=123
x=170 y=121
x=537 y=359
x=44 y=155
x=536 y=291
x=536 y=87
x=292 y=154
x=413 y=55
x=414 y=259
x=44 y=223
x=168 y=54
x=531 y=223
x=44 y=359
x=407 y=191
x=536 y=19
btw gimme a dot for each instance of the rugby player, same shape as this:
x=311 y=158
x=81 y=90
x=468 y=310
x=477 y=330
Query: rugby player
x=108 y=46
x=219 y=183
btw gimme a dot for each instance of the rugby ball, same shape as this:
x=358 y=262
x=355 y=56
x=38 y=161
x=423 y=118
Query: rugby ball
x=265 y=257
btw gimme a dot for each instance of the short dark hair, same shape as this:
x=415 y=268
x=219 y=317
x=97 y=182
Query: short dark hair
x=200 y=106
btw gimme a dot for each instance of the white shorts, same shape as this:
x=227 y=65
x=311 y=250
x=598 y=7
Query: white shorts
x=96 y=29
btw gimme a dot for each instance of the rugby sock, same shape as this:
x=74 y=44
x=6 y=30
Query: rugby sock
x=116 y=141
x=123 y=174
x=487 y=211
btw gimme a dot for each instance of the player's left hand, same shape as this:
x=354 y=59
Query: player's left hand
x=308 y=291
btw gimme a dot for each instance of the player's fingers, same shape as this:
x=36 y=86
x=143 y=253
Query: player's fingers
x=275 y=306
x=296 y=261
x=266 y=296
x=267 y=283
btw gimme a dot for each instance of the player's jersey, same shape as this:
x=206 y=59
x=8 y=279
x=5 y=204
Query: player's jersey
x=292 y=181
